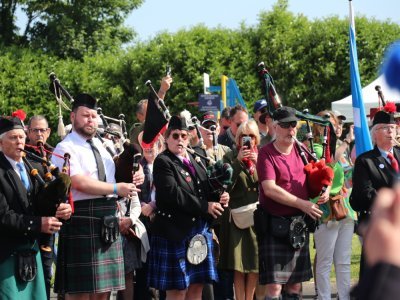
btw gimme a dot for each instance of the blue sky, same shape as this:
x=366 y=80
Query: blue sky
x=171 y=15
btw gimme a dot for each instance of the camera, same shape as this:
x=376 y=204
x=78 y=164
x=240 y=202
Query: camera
x=246 y=141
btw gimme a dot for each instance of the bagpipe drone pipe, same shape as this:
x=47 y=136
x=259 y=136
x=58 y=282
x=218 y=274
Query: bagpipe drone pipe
x=53 y=191
x=319 y=174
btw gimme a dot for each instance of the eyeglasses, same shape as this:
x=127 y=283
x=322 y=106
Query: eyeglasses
x=386 y=128
x=39 y=130
x=176 y=136
x=286 y=125
x=249 y=135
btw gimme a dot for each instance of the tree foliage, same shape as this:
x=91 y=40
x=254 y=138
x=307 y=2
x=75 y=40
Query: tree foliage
x=69 y=28
x=309 y=61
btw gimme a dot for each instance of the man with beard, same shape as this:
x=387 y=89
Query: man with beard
x=37 y=134
x=283 y=196
x=92 y=266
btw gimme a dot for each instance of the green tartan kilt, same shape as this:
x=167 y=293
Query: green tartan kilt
x=84 y=263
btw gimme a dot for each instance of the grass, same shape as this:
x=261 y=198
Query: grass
x=355 y=257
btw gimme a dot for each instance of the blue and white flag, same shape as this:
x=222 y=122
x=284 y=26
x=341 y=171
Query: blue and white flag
x=361 y=130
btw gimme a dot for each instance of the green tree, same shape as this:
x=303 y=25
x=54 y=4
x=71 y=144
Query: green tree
x=69 y=28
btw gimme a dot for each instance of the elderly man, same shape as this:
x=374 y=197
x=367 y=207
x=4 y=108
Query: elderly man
x=376 y=168
x=283 y=196
x=92 y=264
x=20 y=220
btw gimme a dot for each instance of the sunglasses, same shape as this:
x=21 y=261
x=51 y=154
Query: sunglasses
x=249 y=135
x=209 y=125
x=286 y=125
x=176 y=136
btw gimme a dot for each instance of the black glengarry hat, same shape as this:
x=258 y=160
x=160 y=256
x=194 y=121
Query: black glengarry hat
x=84 y=100
x=285 y=114
x=177 y=123
x=10 y=123
x=382 y=117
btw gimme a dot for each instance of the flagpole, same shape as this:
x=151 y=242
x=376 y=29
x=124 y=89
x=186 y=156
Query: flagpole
x=361 y=129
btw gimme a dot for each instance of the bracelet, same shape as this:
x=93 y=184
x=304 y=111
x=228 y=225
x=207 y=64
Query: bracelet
x=115 y=189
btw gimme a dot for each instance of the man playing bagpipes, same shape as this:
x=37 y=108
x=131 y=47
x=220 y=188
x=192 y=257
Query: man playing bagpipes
x=375 y=169
x=38 y=131
x=90 y=247
x=21 y=217
x=284 y=199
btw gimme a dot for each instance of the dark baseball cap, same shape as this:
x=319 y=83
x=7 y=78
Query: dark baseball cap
x=208 y=117
x=285 y=114
x=260 y=104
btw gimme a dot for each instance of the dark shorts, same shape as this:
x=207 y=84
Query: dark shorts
x=280 y=263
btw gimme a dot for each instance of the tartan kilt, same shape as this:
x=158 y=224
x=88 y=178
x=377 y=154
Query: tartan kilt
x=168 y=268
x=84 y=263
x=280 y=263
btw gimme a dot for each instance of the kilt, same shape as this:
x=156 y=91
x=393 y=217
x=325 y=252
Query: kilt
x=280 y=263
x=12 y=287
x=168 y=268
x=84 y=263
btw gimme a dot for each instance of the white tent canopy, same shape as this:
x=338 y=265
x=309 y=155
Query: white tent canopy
x=370 y=97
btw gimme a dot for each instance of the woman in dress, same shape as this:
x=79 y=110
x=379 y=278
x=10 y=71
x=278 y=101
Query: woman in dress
x=239 y=245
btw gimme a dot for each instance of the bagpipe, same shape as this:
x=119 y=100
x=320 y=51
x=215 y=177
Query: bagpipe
x=157 y=117
x=55 y=187
x=319 y=174
x=114 y=128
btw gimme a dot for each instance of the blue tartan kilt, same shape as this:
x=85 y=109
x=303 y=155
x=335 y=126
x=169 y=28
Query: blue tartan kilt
x=168 y=268
x=84 y=263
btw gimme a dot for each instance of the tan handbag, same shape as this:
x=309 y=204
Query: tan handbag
x=243 y=216
x=339 y=211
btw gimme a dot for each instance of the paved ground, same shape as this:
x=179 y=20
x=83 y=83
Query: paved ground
x=308 y=291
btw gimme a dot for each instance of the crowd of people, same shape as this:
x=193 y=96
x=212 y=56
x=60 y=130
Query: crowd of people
x=167 y=227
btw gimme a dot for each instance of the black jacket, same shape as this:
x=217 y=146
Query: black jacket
x=381 y=282
x=18 y=224
x=181 y=199
x=371 y=172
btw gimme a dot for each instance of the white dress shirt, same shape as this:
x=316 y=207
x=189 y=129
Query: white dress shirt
x=82 y=161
